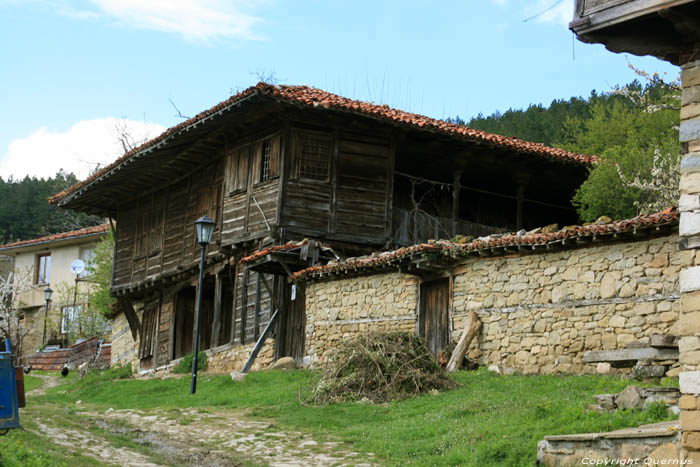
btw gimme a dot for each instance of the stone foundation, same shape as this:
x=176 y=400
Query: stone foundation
x=540 y=312
x=340 y=309
x=124 y=347
x=229 y=357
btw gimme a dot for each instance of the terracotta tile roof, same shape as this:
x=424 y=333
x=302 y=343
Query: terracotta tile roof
x=286 y=247
x=455 y=250
x=308 y=97
x=103 y=228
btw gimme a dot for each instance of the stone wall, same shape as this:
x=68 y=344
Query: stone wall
x=540 y=313
x=222 y=359
x=124 y=347
x=339 y=309
x=689 y=205
x=229 y=357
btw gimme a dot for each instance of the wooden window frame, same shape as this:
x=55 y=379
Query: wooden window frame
x=37 y=269
x=236 y=182
x=303 y=137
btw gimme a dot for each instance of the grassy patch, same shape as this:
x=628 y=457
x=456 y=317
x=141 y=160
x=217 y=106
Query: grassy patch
x=184 y=366
x=488 y=420
x=32 y=382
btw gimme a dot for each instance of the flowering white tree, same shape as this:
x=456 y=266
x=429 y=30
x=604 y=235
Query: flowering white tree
x=11 y=325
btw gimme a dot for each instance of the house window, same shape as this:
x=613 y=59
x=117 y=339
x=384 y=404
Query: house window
x=42 y=268
x=266 y=151
x=315 y=159
x=267 y=158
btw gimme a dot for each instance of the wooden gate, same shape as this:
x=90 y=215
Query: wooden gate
x=433 y=322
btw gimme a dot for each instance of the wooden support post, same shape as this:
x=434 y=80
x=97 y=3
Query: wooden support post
x=456 y=189
x=216 y=324
x=471 y=330
x=259 y=344
x=256 y=319
x=244 y=304
x=131 y=317
x=233 y=277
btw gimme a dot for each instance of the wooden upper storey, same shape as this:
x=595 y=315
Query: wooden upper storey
x=662 y=28
x=269 y=170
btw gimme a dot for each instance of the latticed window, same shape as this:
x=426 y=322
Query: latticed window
x=266 y=152
x=315 y=159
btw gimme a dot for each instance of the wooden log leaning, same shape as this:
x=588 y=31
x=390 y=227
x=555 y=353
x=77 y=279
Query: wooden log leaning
x=471 y=330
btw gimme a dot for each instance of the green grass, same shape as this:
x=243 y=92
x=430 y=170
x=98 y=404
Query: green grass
x=32 y=382
x=489 y=420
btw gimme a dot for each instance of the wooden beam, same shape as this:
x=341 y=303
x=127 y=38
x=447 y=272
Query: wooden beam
x=259 y=344
x=131 y=316
x=256 y=319
x=216 y=325
x=244 y=304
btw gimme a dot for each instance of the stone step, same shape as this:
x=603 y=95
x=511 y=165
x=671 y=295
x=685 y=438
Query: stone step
x=646 y=444
x=661 y=341
x=627 y=355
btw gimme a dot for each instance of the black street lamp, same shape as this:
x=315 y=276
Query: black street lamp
x=47 y=297
x=205 y=229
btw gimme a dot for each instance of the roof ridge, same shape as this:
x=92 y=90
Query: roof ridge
x=449 y=247
x=314 y=97
x=59 y=236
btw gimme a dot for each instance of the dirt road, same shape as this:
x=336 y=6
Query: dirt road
x=192 y=437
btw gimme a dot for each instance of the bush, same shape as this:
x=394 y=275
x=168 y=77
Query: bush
x=380 y=367
x=185 y=365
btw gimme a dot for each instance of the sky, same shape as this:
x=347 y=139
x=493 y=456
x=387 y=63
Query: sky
x=73 y=74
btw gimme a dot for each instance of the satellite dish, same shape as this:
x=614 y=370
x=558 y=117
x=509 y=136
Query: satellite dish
x=77 y=266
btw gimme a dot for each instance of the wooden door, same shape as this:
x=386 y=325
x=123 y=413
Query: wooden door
x=434 y=323
x=184 y=322
x=291 y=326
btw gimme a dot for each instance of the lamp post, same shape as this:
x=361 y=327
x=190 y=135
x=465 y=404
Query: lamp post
x=205 y=229
x=47 y=297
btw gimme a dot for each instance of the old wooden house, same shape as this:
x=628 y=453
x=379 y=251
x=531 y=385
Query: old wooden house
x=279 y=164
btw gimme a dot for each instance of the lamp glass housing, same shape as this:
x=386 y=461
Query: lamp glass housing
x=205 y=229
x=47 y=293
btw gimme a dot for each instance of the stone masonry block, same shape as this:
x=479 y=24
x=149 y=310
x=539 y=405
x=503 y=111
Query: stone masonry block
x=689 y=324
x=688 y=344
x=690 y=279
x=688 y=402
x=690 y=302
x=690 y=183
x=690 y=223
x=689 y=203
x=690 y=95
x=690 y=421
x=691 y=441
x=690 y=76
x=690 y=111
x=690 y=384
x=690 y=130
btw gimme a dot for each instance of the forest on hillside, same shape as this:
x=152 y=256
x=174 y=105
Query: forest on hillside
x=25 y=212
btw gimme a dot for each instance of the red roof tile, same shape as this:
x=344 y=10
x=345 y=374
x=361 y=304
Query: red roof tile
x=316 y=98
x=259 y=254
x=59 y=236
x=381 y=260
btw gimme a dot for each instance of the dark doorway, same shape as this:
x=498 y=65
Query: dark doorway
x=433 y=322
x=184 y=322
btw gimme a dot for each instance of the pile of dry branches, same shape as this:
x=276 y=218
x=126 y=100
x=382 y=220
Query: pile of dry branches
x=380 y=367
